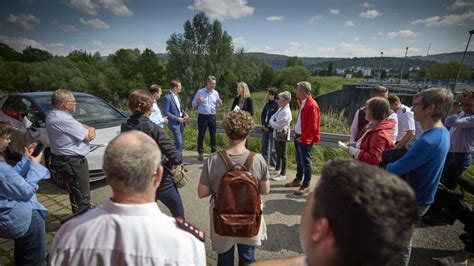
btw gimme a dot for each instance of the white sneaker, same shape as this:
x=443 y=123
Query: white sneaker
x=278 y=178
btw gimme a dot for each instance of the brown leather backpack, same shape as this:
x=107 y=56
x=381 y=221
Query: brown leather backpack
x=237 y=210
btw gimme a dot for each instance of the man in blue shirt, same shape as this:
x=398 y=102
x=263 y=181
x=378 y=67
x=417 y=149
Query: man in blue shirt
x=207 y=100
x=424 y=162
x=69 y=142
x=155 y=116
x=173 y=108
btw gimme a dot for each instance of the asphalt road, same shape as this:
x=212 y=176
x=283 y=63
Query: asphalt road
x=282 y=214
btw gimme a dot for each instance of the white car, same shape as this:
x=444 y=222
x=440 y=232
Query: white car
x=27 y=113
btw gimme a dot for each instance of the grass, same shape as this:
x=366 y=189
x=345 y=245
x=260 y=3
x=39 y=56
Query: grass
x=330 y=84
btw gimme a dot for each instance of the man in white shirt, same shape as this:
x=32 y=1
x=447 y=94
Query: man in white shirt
x=156 y=116
x=129 y=228
x=406 y=121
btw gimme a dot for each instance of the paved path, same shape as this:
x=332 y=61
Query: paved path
x=282 y=213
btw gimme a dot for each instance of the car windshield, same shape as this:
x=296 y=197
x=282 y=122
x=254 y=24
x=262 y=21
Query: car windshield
x=89 y=110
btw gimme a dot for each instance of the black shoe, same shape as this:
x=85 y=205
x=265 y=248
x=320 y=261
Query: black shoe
x=434 y=220
x=200 y=158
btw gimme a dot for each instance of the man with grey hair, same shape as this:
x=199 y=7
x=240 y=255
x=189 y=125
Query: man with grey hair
x=306 y=134
x=69 y=142
x=129 y=228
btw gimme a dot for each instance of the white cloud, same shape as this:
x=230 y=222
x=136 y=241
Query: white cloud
x=356 y=39
x=274 y=18
x=24 y=21
x=349 y=24
x=238 y=42
x=95 y=23
x=334 y=11
x=402 y=33
x=370 y=14
x=92 y=7
x=56 y=45
x=261 y=49
x=97 y=44
x=345 y=49
x=223 y=9
x=64 y=27
x=297 y=49
x=448 y=20
x=20 y=43
x=315 y=19
x=461 y=3
x=367 y=5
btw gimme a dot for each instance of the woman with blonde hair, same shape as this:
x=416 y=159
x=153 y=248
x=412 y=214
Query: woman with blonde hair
x=243 y=100
x=140 y=103
x=280 y=122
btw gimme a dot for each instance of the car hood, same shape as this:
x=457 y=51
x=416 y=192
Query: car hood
x=104 y=135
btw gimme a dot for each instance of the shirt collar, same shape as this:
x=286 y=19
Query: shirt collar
x=130 y=209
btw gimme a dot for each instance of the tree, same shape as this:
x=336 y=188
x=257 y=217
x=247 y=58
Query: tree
x=359 y=74
x=266 y=77
x=203 y=49
x=449 y=71
x=422 y=73
x=9 y=54
x=35 y=55
x=383 y=75
x=289 y=76
x=294 y=61
x=151 y=68
x=330 y=70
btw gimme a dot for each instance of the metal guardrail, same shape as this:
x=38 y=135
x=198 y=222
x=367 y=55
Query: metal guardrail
x=327 y=139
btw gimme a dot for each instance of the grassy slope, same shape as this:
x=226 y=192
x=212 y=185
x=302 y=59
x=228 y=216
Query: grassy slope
x=330 y=84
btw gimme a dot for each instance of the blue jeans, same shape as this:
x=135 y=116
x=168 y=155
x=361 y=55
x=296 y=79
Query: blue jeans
x=303 y=162
x=456 y=163
x=172 y=200
x=246 y=256
x=268 y=151
x=178 y=138
x=31 y=248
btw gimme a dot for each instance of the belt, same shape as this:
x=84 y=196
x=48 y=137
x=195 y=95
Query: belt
x=60 y=157
x=207 y=115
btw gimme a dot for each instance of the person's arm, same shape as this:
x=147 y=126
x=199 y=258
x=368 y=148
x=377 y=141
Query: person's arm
x=167 y=109
x=282 y=120
x=156 y=116
x=203 y=189
x=166 y=147
x=409 y=135
x=417 y=155
x=311 y=126
x=195 y=103
x=455 y=120
x=14 y=186
x=250 y=105
x=354 y=126
x=264 y=186
x=377 y=144
x=234 y=103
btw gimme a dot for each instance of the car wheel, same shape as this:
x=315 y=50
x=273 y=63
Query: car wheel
x=55 y=179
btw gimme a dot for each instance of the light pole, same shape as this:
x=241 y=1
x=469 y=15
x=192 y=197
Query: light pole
x=380 y=66
x=404 y=62
x=462 y=60
x=428 y=52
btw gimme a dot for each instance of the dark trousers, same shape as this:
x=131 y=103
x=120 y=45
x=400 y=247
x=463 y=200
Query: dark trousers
x=246 y=256
x=172 y=200
x=30 y=249
x=74 y=170
x=303 y=161
x=280 y=147
x=456 y=163
x=205 y=121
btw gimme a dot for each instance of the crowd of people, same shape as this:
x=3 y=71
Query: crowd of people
x=362 y=210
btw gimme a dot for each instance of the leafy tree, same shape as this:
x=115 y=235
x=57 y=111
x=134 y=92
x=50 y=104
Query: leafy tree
x=266 y=77
x=151 y=67
x=35 y=55
x=9 y=54
x=15 y=76
x=449 y=71
x=359 y=74
x=422 y=73
x=289 y=76
x=294 y=61
x=383 y=75
x=330 y=70
x=126 y=61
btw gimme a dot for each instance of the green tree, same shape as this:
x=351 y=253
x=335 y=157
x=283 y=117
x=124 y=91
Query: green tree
x=359 y=74
x=30 y=54
x=449 y=71
x=383 y=75
x=151 y=68
x=330 y=70
x=294 y=61
x=289 y=76
x=266 y=77
x=9 y=54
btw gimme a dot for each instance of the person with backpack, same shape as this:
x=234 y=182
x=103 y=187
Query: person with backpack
x=245 y=174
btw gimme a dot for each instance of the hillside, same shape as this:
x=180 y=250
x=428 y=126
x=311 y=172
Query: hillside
x=279 y=61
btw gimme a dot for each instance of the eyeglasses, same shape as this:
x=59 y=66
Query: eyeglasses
x=415 y=104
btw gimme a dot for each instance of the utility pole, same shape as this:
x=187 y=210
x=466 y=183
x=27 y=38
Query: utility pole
x=428 y=52
x=380 y=66
x=404 y=62
x=462 y=60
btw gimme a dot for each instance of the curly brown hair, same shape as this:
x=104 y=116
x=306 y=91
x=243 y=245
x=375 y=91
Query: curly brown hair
x=466 y=95
x=238 y=124
x=140 y=102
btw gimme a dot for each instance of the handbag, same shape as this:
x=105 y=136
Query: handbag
x=281 y=135
x=179 y=176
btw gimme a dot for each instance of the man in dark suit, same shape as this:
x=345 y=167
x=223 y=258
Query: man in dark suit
x=174 y=110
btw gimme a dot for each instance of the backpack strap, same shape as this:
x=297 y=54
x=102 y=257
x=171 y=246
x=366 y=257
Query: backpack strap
x=226 y=159
x=249 y=161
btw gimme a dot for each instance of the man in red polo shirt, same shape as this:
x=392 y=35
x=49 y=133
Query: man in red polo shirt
x=306 y=133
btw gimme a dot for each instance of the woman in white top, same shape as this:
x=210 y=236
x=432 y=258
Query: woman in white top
x=280 y=122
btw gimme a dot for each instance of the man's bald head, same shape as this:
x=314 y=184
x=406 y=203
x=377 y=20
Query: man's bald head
x=130 y=161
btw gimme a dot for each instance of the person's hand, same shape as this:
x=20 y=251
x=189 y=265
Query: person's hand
x=165 y=119
x=29 y=151
x=298 y=139
x=200 y=99
x=264 y=128
x=219 y=101
x=181 y=120
x=91 y=134
x=186 y=117
x=455 y=108
x=350 y=144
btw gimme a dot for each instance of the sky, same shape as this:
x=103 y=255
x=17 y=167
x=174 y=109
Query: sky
x=304 y=28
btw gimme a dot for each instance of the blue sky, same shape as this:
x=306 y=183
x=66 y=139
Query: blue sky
x=329 y=28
